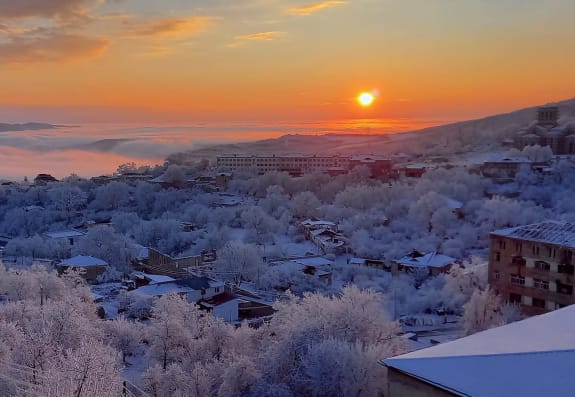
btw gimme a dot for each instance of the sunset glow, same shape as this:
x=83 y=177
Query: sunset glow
x=365 y=99
x=282 y=60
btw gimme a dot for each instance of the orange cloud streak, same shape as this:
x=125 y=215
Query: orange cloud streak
x=312 y=8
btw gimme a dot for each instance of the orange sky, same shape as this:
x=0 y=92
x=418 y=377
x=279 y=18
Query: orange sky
x=286 y=60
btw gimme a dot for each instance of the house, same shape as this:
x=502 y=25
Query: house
x=534 y=266
x=414 y=170
x=316 y=266
x=223 y=179
x=528 y=358
x=328 y=241
x=88 y=266
x=374 y=263
x=324 y=234
x=140 y=279
x=224 y=306
x=431 y=263
x=208 y=293
x=195 y=288
x=160 y=263
x=314 y=224
x=70 y=236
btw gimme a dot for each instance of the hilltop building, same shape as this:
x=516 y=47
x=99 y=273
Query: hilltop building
x=300 y=164
x=548 y=132
x=533 y=265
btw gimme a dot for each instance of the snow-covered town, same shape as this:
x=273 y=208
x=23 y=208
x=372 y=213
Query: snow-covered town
x=287 y=275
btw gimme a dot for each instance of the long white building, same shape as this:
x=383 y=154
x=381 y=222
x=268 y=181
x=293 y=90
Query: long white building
x=301 y=164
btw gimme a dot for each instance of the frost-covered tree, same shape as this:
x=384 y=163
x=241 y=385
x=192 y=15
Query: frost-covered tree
x=240 y=262
x=481 y=312
x=125 y=336
x=102 y=242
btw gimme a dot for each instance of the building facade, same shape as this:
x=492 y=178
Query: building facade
x=533 y=265
x=547 y=131
x=296 y=165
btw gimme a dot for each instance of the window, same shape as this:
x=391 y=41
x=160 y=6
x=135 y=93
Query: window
x=501 y=244
x=217 y=290
x=565 y=269
x=539 y=303
x=517 y=280
x=566 y=257
x=497 y=256
x=543 y=266
x=564 y=289
x=496 y=275
x=536 y=250
x=518 y=247
x=541 y=284
x=514 y=298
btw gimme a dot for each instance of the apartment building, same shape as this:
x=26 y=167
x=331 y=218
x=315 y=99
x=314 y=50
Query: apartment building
x=301 y=164
x=533 y=265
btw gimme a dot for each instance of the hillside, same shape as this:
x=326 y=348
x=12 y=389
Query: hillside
x=475 y=135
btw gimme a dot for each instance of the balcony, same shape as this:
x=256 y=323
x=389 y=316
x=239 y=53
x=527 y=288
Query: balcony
x=518 y=261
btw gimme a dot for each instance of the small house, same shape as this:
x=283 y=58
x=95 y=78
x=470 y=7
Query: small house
x=88 y=266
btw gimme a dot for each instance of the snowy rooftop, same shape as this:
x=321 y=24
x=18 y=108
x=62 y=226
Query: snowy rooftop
x=431 y=259
x=532 y=357
x=454 y=204
x=317 y=222
x=512 y=160
x=154 y=278
x=194 y=283
x=357 y=261
x=83 y=261
x=64 y=234
x=316 y=261
x=546 y=232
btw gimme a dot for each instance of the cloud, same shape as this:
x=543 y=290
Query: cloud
x=16 y=9
x=54 y=46
x=260 y=36
x=312 y=8
x=169 y=27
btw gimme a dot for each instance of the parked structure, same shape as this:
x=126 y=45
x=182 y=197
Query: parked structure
x=528 y=358
x=533 y=265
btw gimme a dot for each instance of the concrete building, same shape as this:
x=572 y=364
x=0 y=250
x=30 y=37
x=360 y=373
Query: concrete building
x=533 y=265
x=548 y=132
x=504 y=170
x=299 y=164
x=528 y=358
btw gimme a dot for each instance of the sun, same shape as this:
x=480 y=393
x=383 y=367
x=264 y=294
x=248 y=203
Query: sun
x=366 y=99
